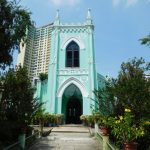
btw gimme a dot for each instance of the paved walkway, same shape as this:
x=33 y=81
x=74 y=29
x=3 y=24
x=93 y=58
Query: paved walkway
x=68 y=138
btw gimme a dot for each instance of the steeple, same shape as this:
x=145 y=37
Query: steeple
x=57 y=18
x=57 y=15
x=89 y=17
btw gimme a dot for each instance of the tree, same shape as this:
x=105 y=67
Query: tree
x=14 y=21
x=132 y=88
x=17 y=106
x=43 y=76
x=145 y=40
x=105 y=100
x=132 y=91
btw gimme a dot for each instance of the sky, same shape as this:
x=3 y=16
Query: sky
x=119 y=24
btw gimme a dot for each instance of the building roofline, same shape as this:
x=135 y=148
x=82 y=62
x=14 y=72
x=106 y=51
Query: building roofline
x=50 y=24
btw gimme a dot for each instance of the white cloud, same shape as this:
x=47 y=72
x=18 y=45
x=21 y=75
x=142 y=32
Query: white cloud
x=65 y=2
x=116 y=2
x=131 y=2
x=127 y=3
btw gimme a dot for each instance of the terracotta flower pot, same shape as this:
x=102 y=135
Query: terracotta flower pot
x=104 y=130
x=130 y=146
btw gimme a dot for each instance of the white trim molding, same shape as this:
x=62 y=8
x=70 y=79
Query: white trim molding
x=70 y=81
x=79 y=42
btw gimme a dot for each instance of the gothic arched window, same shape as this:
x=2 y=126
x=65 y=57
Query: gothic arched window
x=72 y=55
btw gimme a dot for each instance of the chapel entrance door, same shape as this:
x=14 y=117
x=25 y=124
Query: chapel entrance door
x=73 y=111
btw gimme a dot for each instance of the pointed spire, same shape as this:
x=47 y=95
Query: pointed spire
x=89 y=17
x=57 y=15
x=89 y=14
x=57 y=18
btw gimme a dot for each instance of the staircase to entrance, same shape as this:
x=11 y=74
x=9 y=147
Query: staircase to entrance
x=68 y=137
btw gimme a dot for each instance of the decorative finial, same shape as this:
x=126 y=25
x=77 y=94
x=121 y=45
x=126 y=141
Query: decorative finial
x=57 y=14
x=57 y=19
x=89 y=18
x=89 y=14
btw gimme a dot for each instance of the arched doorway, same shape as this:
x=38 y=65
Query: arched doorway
x=72 y=104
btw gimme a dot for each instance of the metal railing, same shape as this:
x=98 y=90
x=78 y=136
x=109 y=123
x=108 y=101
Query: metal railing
x=28 y=142
x=15 y=146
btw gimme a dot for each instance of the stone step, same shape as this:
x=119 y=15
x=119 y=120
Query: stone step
x=72 y=125
x=71 y=129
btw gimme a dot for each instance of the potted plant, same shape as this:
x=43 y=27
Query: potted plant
x=90 y=120
x=126 y=130
x=96 y=117
x=83 y=118
x=59 y=118
x=104 y=125
x=42 y=118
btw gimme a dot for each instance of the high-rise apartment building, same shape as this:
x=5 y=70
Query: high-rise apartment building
x=35 y=53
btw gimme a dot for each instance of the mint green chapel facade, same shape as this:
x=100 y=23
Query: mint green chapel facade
x=72 y=75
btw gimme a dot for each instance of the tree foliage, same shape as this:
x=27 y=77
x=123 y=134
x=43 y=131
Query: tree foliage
x=43 y=76
x=132 y=88
x=145 y=40
x=17 y=104
x=14 y=20
x=105 y=101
